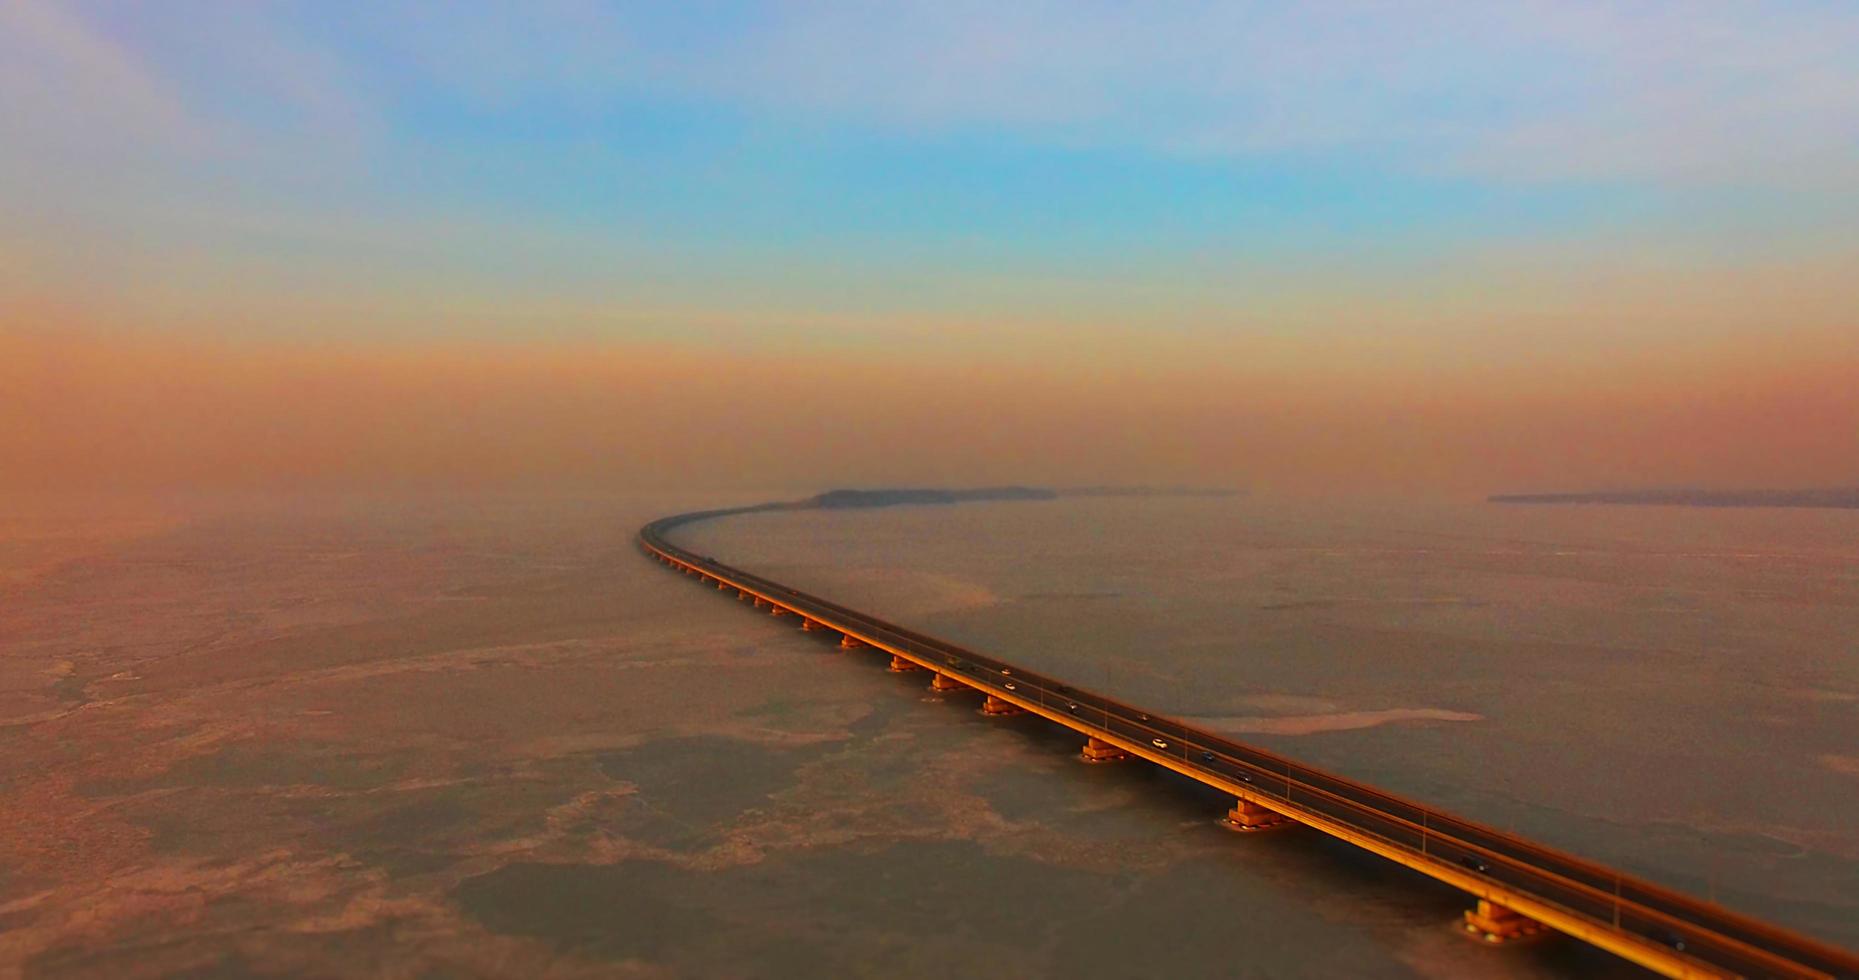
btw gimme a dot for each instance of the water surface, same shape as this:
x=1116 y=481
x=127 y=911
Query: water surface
x=1672 y=690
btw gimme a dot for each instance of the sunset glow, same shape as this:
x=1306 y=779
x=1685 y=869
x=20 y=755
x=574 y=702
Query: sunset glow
x=1435 y=247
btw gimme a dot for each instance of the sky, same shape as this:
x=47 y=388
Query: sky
x=1422 y=247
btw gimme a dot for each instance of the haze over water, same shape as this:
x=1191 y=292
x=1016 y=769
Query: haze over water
x=485 y=736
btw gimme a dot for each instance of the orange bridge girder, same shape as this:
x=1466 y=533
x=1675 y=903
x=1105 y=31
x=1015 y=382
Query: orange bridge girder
x=1441 y=846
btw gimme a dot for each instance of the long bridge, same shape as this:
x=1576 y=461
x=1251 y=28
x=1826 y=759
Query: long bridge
x=1522 y=888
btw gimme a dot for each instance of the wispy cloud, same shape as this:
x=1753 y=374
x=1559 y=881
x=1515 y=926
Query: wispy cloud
x=63 y=80
x=1696 y=91
x=1708 y=91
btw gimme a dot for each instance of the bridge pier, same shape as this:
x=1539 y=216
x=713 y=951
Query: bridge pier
x=1249 y=817
x=901 y=666
x=756 y=601
x=774 y=610
x=722 y=585
x=1493 y=923
x=1098 y=750
x=942 y=683
x=809 y=625
x=1000 y=707
x=742 y=594
x=849 y=642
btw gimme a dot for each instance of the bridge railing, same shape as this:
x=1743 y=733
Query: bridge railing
x=1573 y=885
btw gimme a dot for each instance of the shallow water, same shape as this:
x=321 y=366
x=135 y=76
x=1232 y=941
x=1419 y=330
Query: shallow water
x=484 y=737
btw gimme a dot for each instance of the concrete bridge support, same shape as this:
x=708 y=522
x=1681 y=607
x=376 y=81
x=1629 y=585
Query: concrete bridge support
x=1098 y=750
x=1493 y=923
x=721 y=585
x=741 y=594
x=774 y=610
x=1248 y=817
x=810 y=626
x=942 y=684
x=1000 y=708
x=901 y=666
x=849 y=642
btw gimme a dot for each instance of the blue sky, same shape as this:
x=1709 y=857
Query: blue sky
x=648 y=167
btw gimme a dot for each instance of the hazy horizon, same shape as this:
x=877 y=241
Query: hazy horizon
x=1446 y=249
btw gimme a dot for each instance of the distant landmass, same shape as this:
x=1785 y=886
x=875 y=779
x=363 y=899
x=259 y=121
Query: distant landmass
x=1832 y=497
x=846 y=499
x=1176 y=491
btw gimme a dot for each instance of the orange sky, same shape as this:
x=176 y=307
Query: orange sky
x=97 y=411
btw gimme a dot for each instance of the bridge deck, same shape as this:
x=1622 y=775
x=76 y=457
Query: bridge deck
x=1664 y=930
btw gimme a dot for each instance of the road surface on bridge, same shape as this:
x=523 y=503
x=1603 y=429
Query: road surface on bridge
x=1655 y=926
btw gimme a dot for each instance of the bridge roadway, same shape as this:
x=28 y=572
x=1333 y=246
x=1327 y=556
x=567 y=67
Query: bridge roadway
x=1649 y=924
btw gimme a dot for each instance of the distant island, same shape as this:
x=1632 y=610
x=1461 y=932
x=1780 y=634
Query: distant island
x=1176 y=491
x=846 y=499
x=852 y=499
x=1833 y=497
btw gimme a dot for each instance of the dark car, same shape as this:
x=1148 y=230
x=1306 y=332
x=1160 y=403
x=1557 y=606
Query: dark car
x=1671 y=939
x=1475 y=863
x=1071 y=706
x=1207 y=757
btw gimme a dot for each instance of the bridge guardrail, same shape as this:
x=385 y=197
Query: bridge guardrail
x=1580 y=888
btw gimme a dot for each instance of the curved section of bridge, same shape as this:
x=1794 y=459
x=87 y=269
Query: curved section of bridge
x=1521 y=886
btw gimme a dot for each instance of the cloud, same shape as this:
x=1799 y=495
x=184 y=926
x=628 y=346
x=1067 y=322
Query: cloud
x=1712 y=91
x=1709 y=91
x=103 y=93
x=61 y=79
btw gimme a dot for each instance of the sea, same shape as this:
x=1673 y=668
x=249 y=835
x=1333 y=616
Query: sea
x=484 y=736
